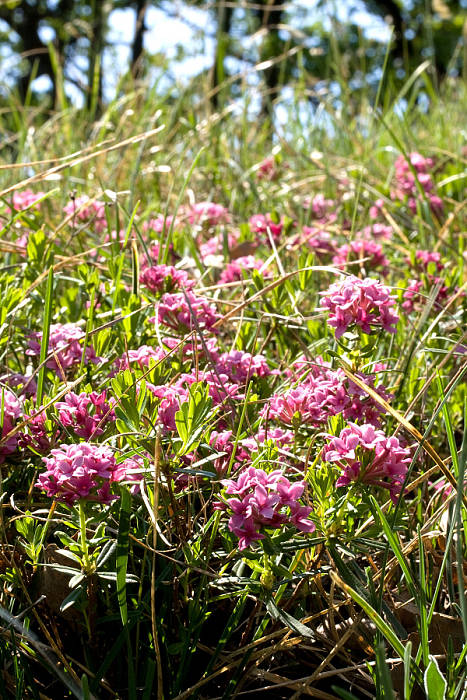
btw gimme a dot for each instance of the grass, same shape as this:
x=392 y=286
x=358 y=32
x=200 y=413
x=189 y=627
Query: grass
x=149 y=596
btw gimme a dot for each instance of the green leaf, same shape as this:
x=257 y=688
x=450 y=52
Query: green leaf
x=45 y=335
x=122 y=553
x=434 y=681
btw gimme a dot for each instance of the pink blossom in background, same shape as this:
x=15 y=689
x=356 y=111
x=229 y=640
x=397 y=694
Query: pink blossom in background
x=159 y=224
x=263 y=501
x=12 y=410
x=365 y=303
x=81 y=471
x=376 y=209
x=361 y=249
x=368 y=456
x=407 y=188
x=321 y=242
x=261 y=224
x=208 y=214
x=215 y=245
x=321 y=208
x=267 y=169
x=177 y=311
x=160 y=278
x=24 y=200
x=424 y=257
x=64 y=343
x=376 y=231
x=206 y=349
x=83 y=209
x=87 y=415
x=22 y=384
x=234 y=271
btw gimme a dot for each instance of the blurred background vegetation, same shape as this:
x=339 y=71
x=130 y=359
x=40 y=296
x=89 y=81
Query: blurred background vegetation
x=87 y=52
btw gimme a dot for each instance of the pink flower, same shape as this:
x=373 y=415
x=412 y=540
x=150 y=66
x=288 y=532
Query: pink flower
x=40 y=434
x=82 y=471
x=240 y=366
x=368 y=251
x=83 y=209
x=261 y=224
x=267 y=169
x=235 y=270
x=141 y=357
x=161 y=278
x=407 y=188
x=86 y=415
x=208 y=214
x=24 y=200
x=12 y=410
x=263 y=501
x=177 y=311
x=367 y=304
x=321 y=208
x=159 y=224
x=215 y=246
x=324 y=393
x=368 y=456
x=64 y=346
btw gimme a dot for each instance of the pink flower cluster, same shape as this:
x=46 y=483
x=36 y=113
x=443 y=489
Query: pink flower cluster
x=261 y=224
x=368 y=456
x=85 y=414
x=267 y=169
x=240 y=366
x=214 y=246
x=178 y=311
x=159 y=224
x=406 y=185
x=40 y=434
x=141 y=357
x=321 y=208
x=81 y=472
x=64 y=346
x=234 y=271
x=324 y=393
x=366 y=303
x=12 y=410
x=208 y=214
x=264 y=501
x=86 y=210
x=24 y=200
x=165 y=278
x=365 y=250
x=171 y=396
x=418 y=289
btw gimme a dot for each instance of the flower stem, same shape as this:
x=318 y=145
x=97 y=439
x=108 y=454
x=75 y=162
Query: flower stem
x=84 y=543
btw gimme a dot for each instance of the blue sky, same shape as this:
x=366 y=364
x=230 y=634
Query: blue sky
x=193 y=29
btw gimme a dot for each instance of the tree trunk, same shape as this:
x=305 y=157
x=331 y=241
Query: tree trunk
x=270 y=18
x=224 y=23
x=136 y=68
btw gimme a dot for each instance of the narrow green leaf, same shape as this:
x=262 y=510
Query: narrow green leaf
x=122 y=553
x=45 y=335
